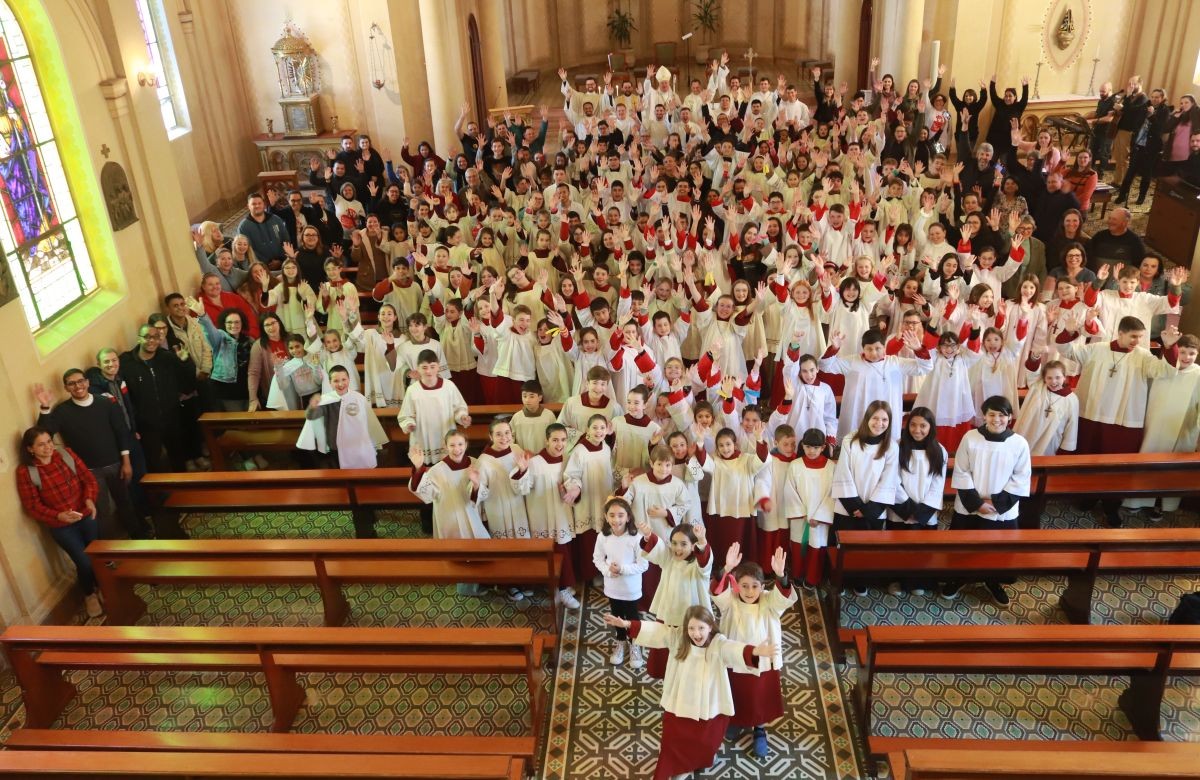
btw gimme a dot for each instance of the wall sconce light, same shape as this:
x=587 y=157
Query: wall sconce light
x=147 y=79
x=375 y=56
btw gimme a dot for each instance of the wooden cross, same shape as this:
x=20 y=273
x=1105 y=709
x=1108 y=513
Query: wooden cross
x=104 y=150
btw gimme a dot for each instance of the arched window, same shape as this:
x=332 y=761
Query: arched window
x=169 y=89
x=41 y=237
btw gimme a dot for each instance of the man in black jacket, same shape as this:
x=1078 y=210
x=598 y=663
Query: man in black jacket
x=1133 y=105
x=94 y=427
x=1147 y=147
x=1051 y=205
x=152 y=374
x=295 y=214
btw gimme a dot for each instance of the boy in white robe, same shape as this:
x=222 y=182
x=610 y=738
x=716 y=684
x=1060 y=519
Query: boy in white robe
x=992 y=472
x=1129 y=301
x=430 y=409
x=873 y=376
x=770 y=484
x=342 y=422
x=529 y=425
x=593 y=399
x=1172 y=413
x=1114 y=385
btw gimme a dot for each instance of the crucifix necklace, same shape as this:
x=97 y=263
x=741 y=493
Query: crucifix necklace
x=1112 y=372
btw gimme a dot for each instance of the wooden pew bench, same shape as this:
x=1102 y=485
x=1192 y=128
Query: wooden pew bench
x=328 y=564
x=39 y=655
x=218 y=766
x=1081 y=555
x=1149 y=655
x=1042 y=760
x=284 y=490
x=233 y=742
x=277 y=431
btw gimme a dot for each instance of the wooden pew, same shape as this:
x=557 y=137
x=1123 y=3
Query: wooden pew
x=1149 y=655
x=219 y=766
x=327 y=564
x=1058 y=760
x=1125 y=474
x=284 y=490
x=277 y=431
x=40 y=654
x=1081 y=555
x=264 y=742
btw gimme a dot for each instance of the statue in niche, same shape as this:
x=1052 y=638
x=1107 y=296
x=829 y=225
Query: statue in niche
x=117 y=196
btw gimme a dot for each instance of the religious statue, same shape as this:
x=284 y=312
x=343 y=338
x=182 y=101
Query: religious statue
x=1066 y=30
x=298 y=69
x=117 y=196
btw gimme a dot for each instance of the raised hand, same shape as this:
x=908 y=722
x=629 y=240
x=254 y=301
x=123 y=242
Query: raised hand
x=733 y=557
x=415 y=457
x=1170 y=335
x=42 y=396
x=779 y=562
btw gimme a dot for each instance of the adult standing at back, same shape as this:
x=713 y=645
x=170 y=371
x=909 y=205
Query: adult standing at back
x=95 y=428
x=265 y=231
x=152 y=374
x=1004 y=110
x=1133 y=105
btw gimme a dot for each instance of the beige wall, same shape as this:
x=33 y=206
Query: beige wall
x=549 y=33
x=99 y=42
x=215 y=159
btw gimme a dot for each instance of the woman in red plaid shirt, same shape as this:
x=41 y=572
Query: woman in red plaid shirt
x=62 y=495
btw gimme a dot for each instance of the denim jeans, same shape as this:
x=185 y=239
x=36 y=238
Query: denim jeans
x=74 y=539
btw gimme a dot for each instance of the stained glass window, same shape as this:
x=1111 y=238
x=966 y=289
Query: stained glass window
x=41 y=238
x=162 y=65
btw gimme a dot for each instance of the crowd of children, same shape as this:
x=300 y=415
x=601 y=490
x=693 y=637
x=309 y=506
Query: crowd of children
x=694 y=281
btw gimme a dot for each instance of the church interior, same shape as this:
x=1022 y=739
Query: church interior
x=265 y=613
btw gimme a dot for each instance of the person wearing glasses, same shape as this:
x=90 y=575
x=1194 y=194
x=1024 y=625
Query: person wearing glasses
x=94 y=428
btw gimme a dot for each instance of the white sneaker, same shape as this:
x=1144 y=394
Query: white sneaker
x=192 y=465
x=249 y=465
x=92 y=604
x=617 y=656
x=515 y=594
x=895 y=589
x=636 y=660
x=261 y=462
x=203 y=463
x=567 y=596
x=918 y=591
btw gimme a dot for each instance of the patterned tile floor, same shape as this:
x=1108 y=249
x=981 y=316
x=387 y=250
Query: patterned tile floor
x=603 y=721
